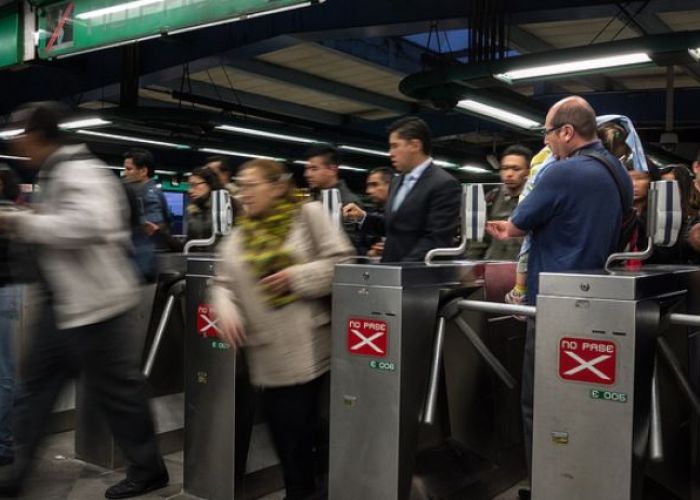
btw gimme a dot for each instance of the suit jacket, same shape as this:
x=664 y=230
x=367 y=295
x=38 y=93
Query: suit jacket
x=428 y=217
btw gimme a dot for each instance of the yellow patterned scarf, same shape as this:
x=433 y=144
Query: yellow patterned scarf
x=264 y=245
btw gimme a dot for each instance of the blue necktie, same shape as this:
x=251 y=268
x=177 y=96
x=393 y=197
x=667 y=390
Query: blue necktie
x=403 y=190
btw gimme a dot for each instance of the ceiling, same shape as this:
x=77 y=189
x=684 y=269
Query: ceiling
x=331 y=73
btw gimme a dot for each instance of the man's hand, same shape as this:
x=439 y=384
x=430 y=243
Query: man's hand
x=278 y=283
x=150 y=228
x=377 y=249
x=353 y=213
x=498 y=229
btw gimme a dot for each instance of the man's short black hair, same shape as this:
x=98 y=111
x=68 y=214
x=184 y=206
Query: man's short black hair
x=226 y=164
x=518 y=150
x=43 y=118
x=142 y=158
x=386 y=173
x=412 y=127
x=329 y=152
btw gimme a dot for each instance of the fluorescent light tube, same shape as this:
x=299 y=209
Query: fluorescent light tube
x=129 y=138
x=10 y=157
x=277 y=11
x=474 y=170
x=497 y=113
x=237 y=153
x=6 y=134
x=348 y=167
x=263 y=133
x=363 y=150
x=165 y=172
x=443 y=163
x=87 y=122
x=116 y=8
x=576 y=66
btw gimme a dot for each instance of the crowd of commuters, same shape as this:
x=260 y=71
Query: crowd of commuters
x=558 y=210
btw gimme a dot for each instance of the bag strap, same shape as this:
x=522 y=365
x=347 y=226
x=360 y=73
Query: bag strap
x=627 y=203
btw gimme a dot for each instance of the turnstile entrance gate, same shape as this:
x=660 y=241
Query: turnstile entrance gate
x=610 y=413
x=384 y=324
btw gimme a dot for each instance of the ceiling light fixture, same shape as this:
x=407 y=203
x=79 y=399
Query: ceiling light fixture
x=576 y=66
x=355 y=169
x=443 y=163
x=129 y=138
x=474 y=170
x=10 y=157
x=84 y=123
x=91 y=14
x=499 y=114
x=263 y=133
x=7 y=134
x=237 y=153
x=363 y=150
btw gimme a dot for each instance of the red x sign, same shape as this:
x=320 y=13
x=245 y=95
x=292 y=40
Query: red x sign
x=207 y=321
x=367 y=337
x=588 y=360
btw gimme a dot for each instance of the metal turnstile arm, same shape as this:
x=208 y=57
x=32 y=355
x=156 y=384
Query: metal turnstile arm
x=451 y=311
x=677 y=370
x=174 y=292
x=431 y=401
x=656 y=444
x=486 y=353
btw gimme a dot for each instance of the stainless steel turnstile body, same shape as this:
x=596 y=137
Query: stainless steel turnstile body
x=210 y=403
x=382 y=446
x=596 y=337
x=383 y=323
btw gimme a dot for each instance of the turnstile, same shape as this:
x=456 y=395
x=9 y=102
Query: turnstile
x=219 y=406
x=384 y=324
x=612 y=415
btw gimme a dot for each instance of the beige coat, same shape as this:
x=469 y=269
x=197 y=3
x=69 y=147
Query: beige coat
x=290 y=345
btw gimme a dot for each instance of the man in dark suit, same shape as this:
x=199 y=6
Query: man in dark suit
x=424 y=201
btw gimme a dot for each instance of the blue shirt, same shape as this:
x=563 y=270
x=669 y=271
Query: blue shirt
x=409 y=181
x=574 y=217
x=153 y=209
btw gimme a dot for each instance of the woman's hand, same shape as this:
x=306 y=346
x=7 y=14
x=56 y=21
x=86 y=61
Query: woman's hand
x=230 y=326
x=278 y=283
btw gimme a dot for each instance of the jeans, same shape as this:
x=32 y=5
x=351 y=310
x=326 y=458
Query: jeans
x=10 y=297
x=113 y=379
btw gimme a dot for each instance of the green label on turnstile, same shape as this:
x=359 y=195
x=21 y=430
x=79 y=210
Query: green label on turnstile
x=221 y=346
x=618 y=397
x=384 y=366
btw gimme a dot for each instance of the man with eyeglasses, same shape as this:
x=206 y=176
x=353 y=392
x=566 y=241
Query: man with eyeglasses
x=573 y=215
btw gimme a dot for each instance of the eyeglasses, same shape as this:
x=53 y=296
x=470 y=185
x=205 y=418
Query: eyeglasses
x=547 y=131
x=249 y=185
x=197 y=183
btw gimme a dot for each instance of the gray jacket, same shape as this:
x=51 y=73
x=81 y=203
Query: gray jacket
x=80 y=229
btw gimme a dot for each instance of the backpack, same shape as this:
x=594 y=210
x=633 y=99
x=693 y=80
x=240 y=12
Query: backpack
x=630 y=220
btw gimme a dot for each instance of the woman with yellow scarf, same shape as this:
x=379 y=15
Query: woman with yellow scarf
x=271 y=296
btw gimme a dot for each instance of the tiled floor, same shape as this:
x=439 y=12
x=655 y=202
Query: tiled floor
x=58 y=476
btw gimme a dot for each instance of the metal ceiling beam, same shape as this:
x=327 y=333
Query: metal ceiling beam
x=332 y=87
x=259 y=102
x=608 y=9
x=648 y=23
x=524 y=41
